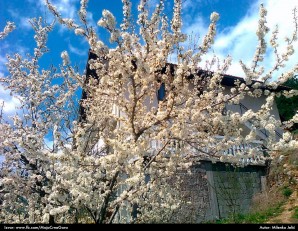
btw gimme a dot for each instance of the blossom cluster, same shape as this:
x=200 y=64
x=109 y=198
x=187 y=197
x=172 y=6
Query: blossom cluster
x=10 y=26
x=122 y=159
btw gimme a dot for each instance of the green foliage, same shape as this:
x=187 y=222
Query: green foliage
x=253 y=218
x=288 y=107
x=287 y=192
x=295 y=215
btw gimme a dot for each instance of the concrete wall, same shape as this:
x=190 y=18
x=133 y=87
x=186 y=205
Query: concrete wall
x=254 y=104
x=213 y=191
x=219 y=190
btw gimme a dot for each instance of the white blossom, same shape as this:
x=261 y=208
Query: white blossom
x=59 y=210
x=10 y=26
x=79 y=31
x=65 y=57
x=127 y=146
x=214 y=17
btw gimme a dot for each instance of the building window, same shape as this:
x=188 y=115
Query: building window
x=161 y=93
x=224 y=111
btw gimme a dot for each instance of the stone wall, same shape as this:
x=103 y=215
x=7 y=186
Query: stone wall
x=215 y=191
x=196 y=191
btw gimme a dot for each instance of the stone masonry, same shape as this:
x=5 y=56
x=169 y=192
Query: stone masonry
x=219 y=190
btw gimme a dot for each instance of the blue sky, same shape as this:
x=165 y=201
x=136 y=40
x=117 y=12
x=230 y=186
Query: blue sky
x=236 y=29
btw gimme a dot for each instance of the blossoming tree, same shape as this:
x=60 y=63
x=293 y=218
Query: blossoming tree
x=120 y=163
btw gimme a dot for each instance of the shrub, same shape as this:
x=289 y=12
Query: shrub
x=287 y=192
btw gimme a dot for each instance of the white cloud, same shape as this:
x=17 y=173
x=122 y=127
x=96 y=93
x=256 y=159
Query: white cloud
x=240 y=41
x=10 y=103
x=77 y=51
x=12 y=49
x=67 y=8
x=22 y=22
x=197 y=27
x=3 y=60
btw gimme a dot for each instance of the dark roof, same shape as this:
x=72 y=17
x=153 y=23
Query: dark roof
x=227 y=80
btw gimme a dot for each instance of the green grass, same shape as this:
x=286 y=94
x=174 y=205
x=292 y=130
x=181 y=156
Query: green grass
x=253 y=218
x=295 y=215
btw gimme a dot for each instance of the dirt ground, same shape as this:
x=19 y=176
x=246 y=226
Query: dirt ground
x=288 y=210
